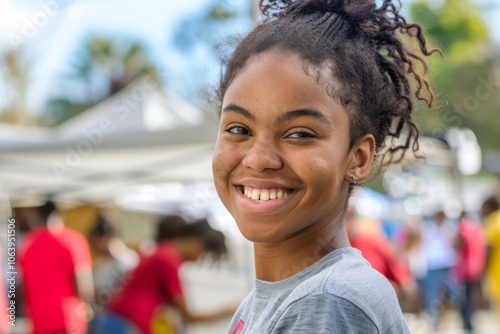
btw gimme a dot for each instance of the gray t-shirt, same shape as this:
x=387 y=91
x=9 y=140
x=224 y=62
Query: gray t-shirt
x=340 y=293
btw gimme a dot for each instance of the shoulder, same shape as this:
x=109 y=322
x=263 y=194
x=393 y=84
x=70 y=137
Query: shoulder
x=324 y=313
x=165 y=258
x=492 y=226
x=29 y=239
x=70 y=239
x=72 y=235
x=493 y=219
x=41 y=246
x=38 y=239
x=331 y=313
x=350 y=295
x=350 y=277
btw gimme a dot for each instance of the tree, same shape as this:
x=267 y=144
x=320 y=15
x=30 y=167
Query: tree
x=464 y=80
x=15 y=74
x=103 y=67
x=457 y=27
x=204 y=39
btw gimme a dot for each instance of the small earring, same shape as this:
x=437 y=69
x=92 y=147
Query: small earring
x=353 y=177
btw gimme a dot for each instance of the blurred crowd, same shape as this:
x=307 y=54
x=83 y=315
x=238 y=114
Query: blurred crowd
x=437 y=263
x=74 y=283
x=96 y=284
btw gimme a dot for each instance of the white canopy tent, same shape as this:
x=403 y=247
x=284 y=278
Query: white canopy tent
x=142 y=135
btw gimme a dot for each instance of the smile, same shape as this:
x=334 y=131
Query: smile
x=264 y=195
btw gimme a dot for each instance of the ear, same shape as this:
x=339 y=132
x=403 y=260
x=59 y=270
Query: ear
x=360 y=159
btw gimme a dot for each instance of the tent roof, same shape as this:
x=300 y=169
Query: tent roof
x=156 y=138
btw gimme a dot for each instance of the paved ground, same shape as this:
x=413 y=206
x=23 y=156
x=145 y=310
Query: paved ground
x=485 y=322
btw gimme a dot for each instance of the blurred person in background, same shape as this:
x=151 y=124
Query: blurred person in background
x=437 y=238
x=113 y=261
x=4 y=301
x=155 y=284
x=367 y=236
x=470 y=243
x=490 y=213
x=26 y=217
x=414 y=256
x=56 y=267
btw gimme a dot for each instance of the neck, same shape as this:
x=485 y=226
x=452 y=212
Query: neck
x=181 y=247
x=280 y=260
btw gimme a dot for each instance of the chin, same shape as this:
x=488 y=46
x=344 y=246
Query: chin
x=259 y=236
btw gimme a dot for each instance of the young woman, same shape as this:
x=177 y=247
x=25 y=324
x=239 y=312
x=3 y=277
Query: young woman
x=307 y=100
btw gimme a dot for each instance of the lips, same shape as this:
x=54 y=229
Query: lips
x=264 y=194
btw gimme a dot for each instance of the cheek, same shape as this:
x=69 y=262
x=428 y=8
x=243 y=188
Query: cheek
x=325 y=174
x=325 y=167
x=218 y=162
x=223 y=162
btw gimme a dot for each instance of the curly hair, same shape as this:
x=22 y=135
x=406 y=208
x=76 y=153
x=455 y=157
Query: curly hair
x=363 y=47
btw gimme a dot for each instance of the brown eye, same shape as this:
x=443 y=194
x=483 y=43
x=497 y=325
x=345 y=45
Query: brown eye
x=238 y=130
x=300 y=135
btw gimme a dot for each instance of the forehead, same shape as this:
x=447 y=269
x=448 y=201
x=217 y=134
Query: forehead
x=279 y=81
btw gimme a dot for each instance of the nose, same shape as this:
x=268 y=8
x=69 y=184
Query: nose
x=261 y=156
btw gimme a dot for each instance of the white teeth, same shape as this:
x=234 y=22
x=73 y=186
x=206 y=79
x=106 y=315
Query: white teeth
x=264 y=196
x=255 y=195
x=258 y=195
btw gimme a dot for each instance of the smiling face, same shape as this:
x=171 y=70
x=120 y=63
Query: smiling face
x=282 y=155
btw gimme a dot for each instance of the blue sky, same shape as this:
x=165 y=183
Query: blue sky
x=52 y=30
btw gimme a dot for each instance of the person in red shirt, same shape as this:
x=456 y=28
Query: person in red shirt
x=367 y=236
x=4 y=303
x=155 y=282
x=56 y=266
x=470 y=242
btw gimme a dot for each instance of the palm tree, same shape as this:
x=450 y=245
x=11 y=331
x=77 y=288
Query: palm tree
x=103 y=67
x=119 y=63
x=15 y=84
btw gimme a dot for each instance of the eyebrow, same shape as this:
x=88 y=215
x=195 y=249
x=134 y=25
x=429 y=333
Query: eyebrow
x=306 y=112
x=286 y=117
x=239 y=110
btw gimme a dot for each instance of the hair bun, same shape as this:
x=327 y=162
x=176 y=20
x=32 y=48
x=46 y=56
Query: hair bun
x=357 y=11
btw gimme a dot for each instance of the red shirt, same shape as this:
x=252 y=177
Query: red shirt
x=472 y=256
x=155 y=281
x=383 y=258
x=5 y=304
x=49 y=262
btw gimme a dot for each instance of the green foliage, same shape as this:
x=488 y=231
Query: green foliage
x=102 y=67
x=464 y=82
x=60 y=110
x=117 y=61
x=221 y=12
x=457 y=27
x=206 y=26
